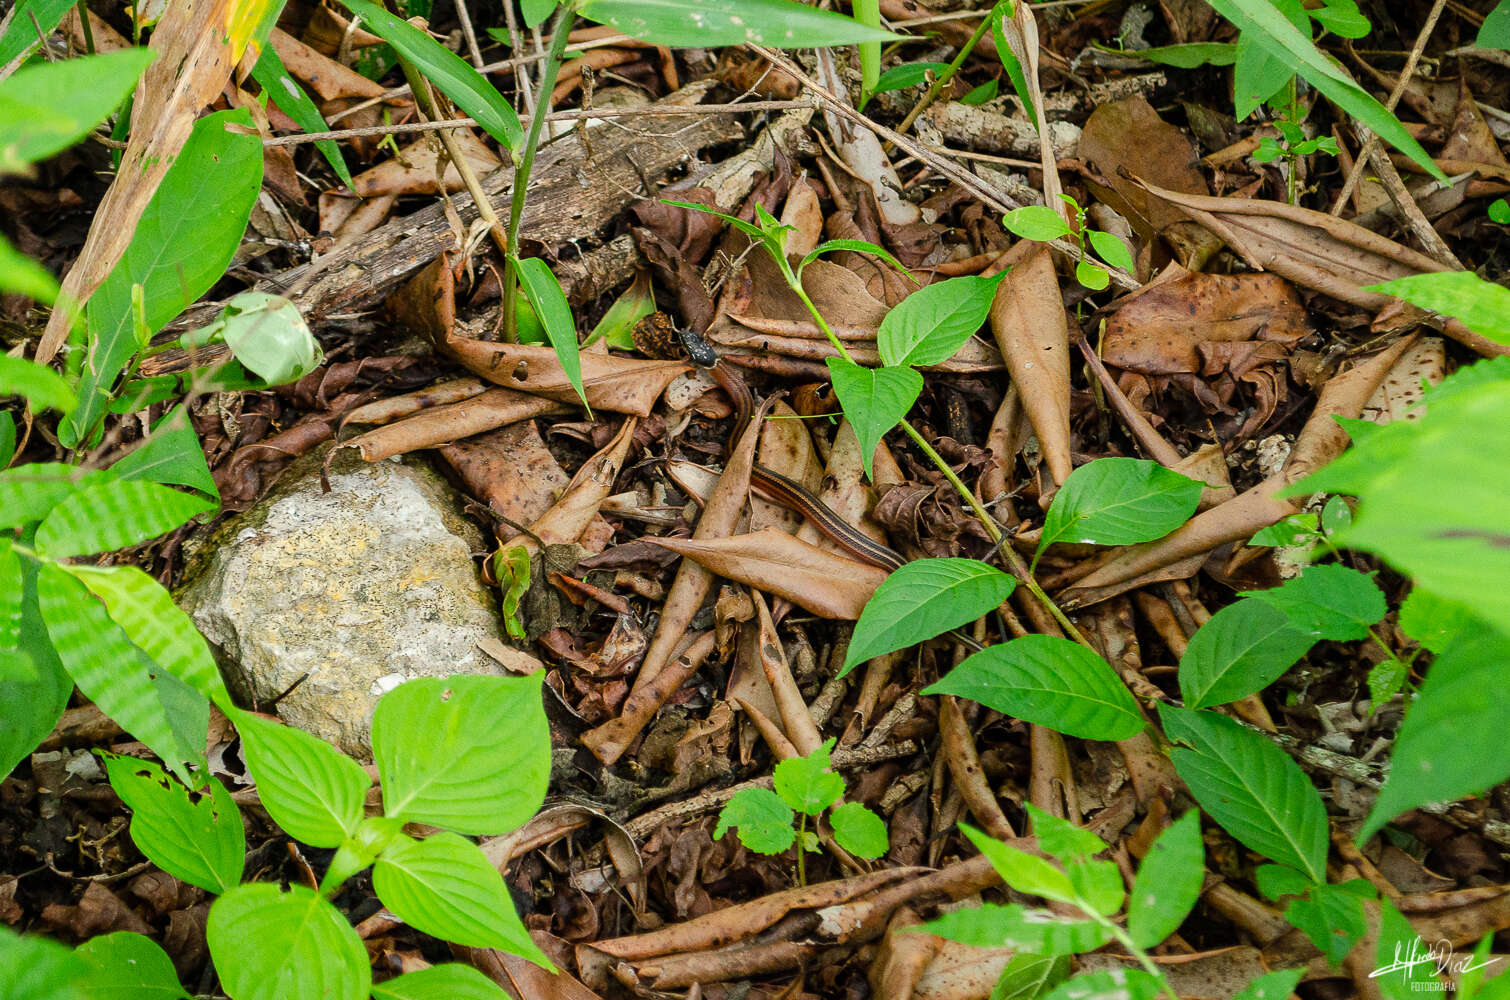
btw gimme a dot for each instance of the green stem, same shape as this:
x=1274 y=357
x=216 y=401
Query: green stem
x=559 y=32
x=942 y=80
x=796 y=285
x=1125 y=940
x=801 y=849
x=86 y=26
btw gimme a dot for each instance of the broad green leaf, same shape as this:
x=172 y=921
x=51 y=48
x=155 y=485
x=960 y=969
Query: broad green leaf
x=309 y=788
x=1289 y=531
x=1452 y=742
x=549 y=302
x=452 y=981
x=1251 y=787
x=10 y=597
x=49 y=106
x=113 y=515
x=1168 y=882
x=271 y=945
x=195 y=837
x=1494 y=33
x=485 y=762
x=129 y=966
x=149 y=703
x=1483 y=306
x=30 y=704
x=1049 y=681
x=1061 y=839
x=24 y=276
x=922 y=599
x=1036 y=222
x=1398 y=977
x=150 y=619
x=762 y=820
x=1243 y=648
x=1272 y=985
x=994 y=925
x=1258 y=76
x=7 y=437
x=980 y=95
x=1099 y=885
x=780 y=24
x=29 y=492
x=273 y=78
x=445 y=886
x=536 y=11
x=171 y=456
x=36 y=968
x=1450 y=539
x=468 y=88
x=1188 y=55
x=182 y=245
x=1331 y=602
x=618 y=322
x=42 y=387
x=929 y=326
x=1091 y=275
x=1268 y=27
x=806 y=784
x=874 y=400
x=1108 y=984
x=906 y=75
x=1433 y=622
x=21 y=37
x=267 y=335
x=1332 y=916
x=1028 y=976
x=1119 y=501
x=1027 y=873
x=1341 y=17
x=859 y=831
x=1110 y=249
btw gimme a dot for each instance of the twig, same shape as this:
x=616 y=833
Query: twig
x=465 y=17
x=574 y=114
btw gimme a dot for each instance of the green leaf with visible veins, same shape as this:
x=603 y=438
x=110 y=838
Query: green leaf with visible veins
x=197 y=838
x=762 y=819
x=874 y=399
x=129 y=966
x=922 y=599
x=859 y=831
x=780 y=24
x=806 y=784
x=272 y=945
x=309 y=788
x=1168 y=882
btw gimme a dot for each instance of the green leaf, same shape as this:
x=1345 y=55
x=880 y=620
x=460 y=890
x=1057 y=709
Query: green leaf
x=1243 y=648
x=24 y=276
x=1327 y=602
x=1342 y=17
x=859 y=831
x=858 y=246
x=129 y=966
x=273 y=78
x=1092 y=276
x=7 y=438
x=1398 y=977
x=468 y=88
x=762 y=819
x=1168 y=882
x=182 y=245
x=536 y=11
x=549 y=302
x=30 y=705
x=980 y=95
x=1498 y=211
x=1433 y=622
x=1110 y=249
x=1258 y=76
x=1188 y=55
x=43 y=388
x=1272 y=985
x=1289 y=531
x=1451 y=743
x=628 y=309
x=1332 y=916
x=1251 y=787
x=271 y=945
x=1099 y=885
x=806 y=784
x=874 y=399
x=153 y=623
x=780 y=24
x=1269 y=28
x=929 y=326
x=49 y=106
x=1061 y=839
x=1494 y=33
x=29 y=492
x=10 y=596
x=1036 y=222
x=922 y=599
x=193 y=836
x=21 y=37
x=907 y=75
x=148 y=702
x=452 y=981
x=1108 y=984
x=1483 y=306
x=113 y=515
x=1028 y=976
x=1119 y=501
x=752 y=231
x=35 y=968
x=994 y=925
x=1049 y=681
x=309 y=788
x=1007 y=50
x=171 y=456
x=485 y=763
x=267 y=335
x=1027 y=873
x=445 y=886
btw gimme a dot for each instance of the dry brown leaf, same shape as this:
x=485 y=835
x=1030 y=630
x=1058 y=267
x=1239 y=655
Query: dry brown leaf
x=413 y=171
x=326 y=77
x=569 y=516
x=619 y=385
x=1027 y=318
x=824 y=583
x=452 y=422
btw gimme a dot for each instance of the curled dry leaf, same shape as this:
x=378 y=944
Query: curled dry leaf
x=385 y=411
x=609 y=741
x=796 y=722
x=619 y=385
x=1027 y=318
x=824 y=583
x=329 y=79
x=452 y=422
x=568 y=517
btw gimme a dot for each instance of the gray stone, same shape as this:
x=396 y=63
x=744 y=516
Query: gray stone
x=355 y=591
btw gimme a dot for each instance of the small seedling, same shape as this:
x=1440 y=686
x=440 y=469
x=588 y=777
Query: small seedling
x=1039 y=222
x=805 y=787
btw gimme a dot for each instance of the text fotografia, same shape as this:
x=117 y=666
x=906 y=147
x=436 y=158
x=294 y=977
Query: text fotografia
x=1444 y=962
